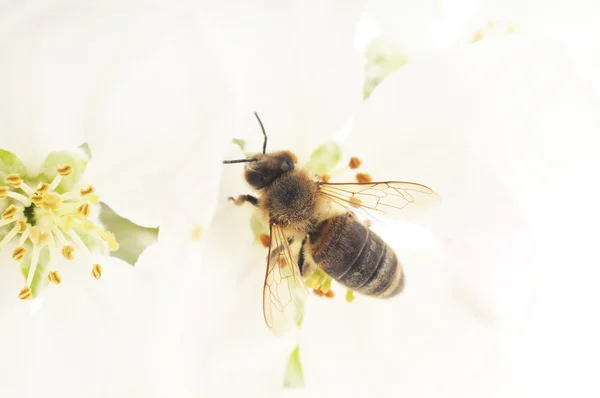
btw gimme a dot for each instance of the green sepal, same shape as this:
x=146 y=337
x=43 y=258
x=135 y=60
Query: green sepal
x=240 y=143
x=39 y=283
x=10 y=164
x=324 y=158
x=133 y=239
x=294 y=376
x=77 y=160
x=383 y=56
x=257 y=226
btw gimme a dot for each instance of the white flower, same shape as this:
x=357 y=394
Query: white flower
x=300 y=74
x=502 y=131
x=144 y=88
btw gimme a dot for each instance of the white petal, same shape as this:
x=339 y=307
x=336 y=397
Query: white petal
x=53 y=60
x=225 y=331
x=165 y=105
x=419 y=27
x=502 y=130
x=299 y=68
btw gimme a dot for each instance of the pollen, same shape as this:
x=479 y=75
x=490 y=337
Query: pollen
x=325 y=178
x=84 y=210
x=18 y=253
x=54 y=277
x=9 y=212
x=354 y=163
x=13 y=180
x=265 y=240
x=65 y=170
x=97 y=271
x=42 y=225
x=42 y=187
x=67 y=252
x=25 y=293
x=363 y=178
x=86 y=191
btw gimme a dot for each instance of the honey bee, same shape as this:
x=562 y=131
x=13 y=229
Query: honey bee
x=326 y=218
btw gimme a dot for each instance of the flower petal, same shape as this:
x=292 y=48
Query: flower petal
x=298 y=67
x=53 y=58
x=162 y=106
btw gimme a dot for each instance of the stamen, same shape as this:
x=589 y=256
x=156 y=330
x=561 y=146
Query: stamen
x=21 y=198
x=86 y=191
x=37 y=200
x=3 y=192
x=13 y=180
x=57 y=180
x=50 y=201
x=54 y=277
x=265 y=240
x=19 y=253
x=26 y=188
x=6 y=222
x=11 y=234
x=21 y=226
x=67 y=252
x=354 y=163
x=25 y=293
x=84 y=210
x=42 y=187
x=65 y=170
x=9 y=212
x=35 y=258
x=325 y=178
x=97 y=271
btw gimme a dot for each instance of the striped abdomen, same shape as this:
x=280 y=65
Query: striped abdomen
x=356 y=257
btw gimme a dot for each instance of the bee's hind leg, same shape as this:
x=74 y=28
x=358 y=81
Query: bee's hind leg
x=240 y=200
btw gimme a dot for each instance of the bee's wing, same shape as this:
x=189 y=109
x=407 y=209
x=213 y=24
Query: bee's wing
x=284 y=292
x=392 y=199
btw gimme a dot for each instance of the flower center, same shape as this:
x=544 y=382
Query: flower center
x=47 y=223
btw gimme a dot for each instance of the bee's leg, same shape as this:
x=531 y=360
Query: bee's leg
x=240 y=200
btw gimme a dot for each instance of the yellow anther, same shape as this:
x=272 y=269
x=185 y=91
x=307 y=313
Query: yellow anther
x=97 y=271
x=67 y=252
x=3 y=192
x=25 y=293
x=325 y=177
x=13 y=180
x=354 y=163
x=349 y=296
x=21 y=226
x=38 y=237
x=65 y=170
x=196 y=233
x=478 y=36
x=110 y=239
x=9 y=212
x=54 y=277
x=19 y=253
x=84 y=209
x=363 y=178
x=50 y=201
x=42 y=187
x=86 y=191
x=37 y=199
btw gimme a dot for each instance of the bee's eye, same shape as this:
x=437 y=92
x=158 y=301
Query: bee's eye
x=255 y=179
x=287 y=164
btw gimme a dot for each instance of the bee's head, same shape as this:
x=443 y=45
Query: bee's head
x=263 y=169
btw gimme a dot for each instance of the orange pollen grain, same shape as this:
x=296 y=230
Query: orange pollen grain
x=265 y=240
x=354 y=163
x=325 y=177
x=363 y=178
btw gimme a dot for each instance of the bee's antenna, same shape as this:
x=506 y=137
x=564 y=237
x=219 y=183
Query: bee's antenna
x=263 y=131
x=238 y=161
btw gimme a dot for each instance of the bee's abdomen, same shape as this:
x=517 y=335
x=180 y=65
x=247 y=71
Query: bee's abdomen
x=356 y=257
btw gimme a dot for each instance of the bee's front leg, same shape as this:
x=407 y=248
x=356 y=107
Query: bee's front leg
x=240 y=200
